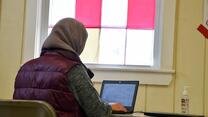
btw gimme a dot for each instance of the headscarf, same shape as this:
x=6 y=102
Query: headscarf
x=68 y=34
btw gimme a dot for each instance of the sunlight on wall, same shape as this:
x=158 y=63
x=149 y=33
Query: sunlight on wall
x=90 y=54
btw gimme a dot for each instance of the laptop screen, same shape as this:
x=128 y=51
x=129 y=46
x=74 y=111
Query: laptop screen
x=120 y=91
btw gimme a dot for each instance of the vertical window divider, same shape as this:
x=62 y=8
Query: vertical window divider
x=158 y=33
x=125 y=48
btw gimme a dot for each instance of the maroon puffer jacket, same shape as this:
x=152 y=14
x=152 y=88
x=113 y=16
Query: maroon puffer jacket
x=45 y=78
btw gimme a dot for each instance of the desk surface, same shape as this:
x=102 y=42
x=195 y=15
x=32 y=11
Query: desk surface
x=156 y=114
x=165 y=114
x=130 y=115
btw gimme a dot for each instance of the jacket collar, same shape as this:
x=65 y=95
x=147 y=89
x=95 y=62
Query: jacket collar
x=69 y=55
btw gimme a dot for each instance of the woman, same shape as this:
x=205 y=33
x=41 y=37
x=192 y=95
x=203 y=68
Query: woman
x=60 y=78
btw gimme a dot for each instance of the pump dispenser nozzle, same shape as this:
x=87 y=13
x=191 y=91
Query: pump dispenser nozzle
x=185 y=92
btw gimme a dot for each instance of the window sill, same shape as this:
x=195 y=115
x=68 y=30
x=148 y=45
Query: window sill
x=145 y=75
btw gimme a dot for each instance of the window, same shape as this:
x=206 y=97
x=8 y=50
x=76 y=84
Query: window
x=157 y=70
x=120 y=33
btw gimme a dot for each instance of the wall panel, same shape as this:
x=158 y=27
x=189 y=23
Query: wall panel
x=160 y=98
x=11 y=36
x=140 y=104
x=206 y=62
x=206 y=82
x=189 y=54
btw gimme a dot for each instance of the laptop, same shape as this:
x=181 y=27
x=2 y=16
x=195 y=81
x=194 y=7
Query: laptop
x=124 y=92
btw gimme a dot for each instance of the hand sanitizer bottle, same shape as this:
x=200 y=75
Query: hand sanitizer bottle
x=185 y=101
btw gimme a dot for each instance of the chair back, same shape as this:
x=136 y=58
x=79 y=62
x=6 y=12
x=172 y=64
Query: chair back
x=26 y=108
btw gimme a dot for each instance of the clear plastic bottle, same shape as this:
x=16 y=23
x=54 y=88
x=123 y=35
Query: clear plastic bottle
x=185 y=101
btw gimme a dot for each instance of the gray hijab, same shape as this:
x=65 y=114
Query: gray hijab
x=68 y=34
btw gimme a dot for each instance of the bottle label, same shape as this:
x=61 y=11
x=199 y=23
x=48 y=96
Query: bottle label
x=185 y=106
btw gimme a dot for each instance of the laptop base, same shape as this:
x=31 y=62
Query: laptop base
x=129 y=115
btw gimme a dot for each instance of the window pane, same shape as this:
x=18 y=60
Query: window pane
x=90 y=53
x=114 y=13
x=113 y=43
x=141 y=14
x=60 y=9
x=49 y=30
x=112 y=46
x=89 y=12
x=140 y=45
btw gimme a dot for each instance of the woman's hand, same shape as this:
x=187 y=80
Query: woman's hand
x=118 y=107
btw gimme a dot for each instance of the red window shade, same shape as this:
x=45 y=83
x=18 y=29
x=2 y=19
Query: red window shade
x=89 y=12
x=141 y=14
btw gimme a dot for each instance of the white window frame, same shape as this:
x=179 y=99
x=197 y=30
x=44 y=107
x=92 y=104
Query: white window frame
x=160 y=74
